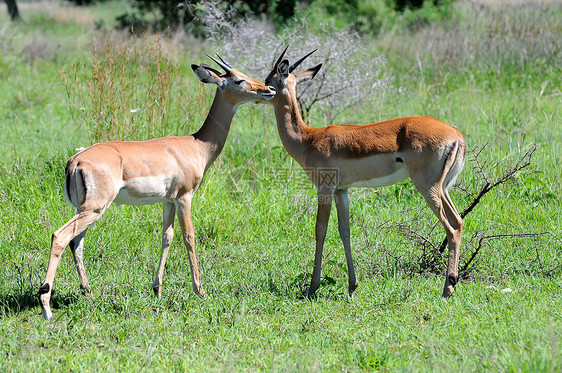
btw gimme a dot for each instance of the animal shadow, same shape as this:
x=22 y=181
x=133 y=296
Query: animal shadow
x=20 y=301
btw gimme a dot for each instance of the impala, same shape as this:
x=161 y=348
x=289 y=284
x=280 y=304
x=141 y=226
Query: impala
x=428 y=151
x=167 y=170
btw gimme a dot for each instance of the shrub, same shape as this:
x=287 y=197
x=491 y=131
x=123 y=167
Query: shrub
x=164 y=14
x=373 y=16
x=350 y=76
x=364 y=16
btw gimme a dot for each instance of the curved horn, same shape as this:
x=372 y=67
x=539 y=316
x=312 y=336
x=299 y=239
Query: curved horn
x=223 y=61
x=224 y=67
x=280 y=58
x=272 y=72
x=294 y=66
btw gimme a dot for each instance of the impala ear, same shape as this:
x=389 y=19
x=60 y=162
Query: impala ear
x=283 y=69
x=309 y=74
x=207 y=75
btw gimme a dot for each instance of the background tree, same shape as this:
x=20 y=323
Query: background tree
x=13 y=10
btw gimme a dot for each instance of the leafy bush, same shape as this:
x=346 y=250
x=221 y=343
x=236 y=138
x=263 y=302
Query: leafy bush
x=365 y=16
x=373 y=16
x=164 y=14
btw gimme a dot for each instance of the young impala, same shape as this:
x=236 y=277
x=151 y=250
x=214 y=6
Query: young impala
x=167 y=170
x=428 y=151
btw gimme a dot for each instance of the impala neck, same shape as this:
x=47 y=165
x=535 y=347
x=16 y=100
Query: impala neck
x=215 y=129
x=292 y=129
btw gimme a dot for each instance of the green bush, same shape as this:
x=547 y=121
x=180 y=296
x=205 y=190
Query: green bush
x=373 y=16
x=165 y=14
x=366 y=16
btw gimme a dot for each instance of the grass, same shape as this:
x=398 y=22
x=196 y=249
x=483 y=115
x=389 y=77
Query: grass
x=254 y=220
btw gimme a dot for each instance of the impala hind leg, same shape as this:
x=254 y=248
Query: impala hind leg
x=77 y=248
x=61 y=238
x=454 y=235
x=322 y=218
x=167 y=236
x=342 y=206
x=442 y=207
x=183 y=207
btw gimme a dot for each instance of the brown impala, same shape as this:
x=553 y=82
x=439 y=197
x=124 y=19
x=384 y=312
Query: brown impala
x=428 y=151
x=167 y=170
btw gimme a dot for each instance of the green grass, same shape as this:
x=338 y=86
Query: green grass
x=254 y=221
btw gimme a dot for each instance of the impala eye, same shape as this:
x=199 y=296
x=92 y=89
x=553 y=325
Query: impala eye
x=238 y=82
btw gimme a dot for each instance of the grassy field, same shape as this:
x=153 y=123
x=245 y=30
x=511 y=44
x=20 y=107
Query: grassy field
x=494 y=73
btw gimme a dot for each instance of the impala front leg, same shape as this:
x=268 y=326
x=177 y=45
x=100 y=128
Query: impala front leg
x=183 y=206
x=322 y=218
x=342 y=206
x=167 y=237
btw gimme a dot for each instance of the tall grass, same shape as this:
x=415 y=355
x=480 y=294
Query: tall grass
x=132 y=89
x=496 y=39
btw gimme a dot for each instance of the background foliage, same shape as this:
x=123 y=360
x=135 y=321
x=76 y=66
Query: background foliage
x=365 y=16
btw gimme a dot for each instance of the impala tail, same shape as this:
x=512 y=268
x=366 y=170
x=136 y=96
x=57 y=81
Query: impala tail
x=75 y=188
x=454 y=164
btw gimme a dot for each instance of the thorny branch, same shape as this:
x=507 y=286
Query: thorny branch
x=464 y=271
x=432 y=252
x=397 y=259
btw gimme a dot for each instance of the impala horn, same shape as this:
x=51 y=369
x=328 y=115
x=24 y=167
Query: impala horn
x=224 y=66
x=276 y=63
x=294 y=66
x=223 y=61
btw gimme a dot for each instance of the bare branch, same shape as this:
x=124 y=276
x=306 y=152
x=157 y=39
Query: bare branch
x=483 y=239
x=523 y=162
x=350 y=75
x=367 y=244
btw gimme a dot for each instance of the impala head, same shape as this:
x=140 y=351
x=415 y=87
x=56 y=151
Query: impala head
x=236 y=87
x=281 y=76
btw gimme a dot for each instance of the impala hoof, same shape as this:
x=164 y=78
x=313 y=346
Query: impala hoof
x=47 y=314
x=310 y=294
x=448 y=291
x=85 y=290
x=199 y=291
x=450 y=284
x=352 y=287
x=157 y=291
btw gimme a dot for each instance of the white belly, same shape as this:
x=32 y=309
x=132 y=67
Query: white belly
x=400 y=175
x=144 y=191
x=124 y=198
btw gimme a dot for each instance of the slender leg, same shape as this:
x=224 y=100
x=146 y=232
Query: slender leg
x=77 y=248
x=167 y=236
x=322 y=218
x=446 y=213
x=454 y=242
x=61 y=238
x=342 y=206
x=183 y=207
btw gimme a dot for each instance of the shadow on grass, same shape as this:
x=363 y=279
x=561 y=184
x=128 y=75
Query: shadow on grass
x=298 y=288
x=22 y=301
